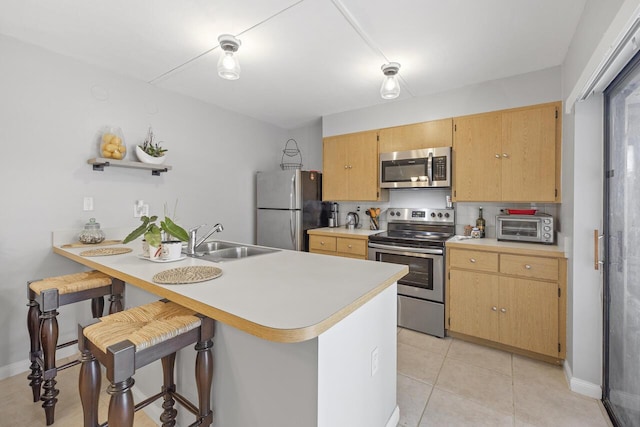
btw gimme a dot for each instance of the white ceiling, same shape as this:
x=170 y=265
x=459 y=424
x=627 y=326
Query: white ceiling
x=302 y=59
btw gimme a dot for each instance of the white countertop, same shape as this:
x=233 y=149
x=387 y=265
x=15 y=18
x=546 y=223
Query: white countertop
x=357 y=232
x=516 y=247
x=286 y=296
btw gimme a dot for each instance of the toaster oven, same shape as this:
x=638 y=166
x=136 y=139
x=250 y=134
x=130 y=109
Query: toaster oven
x=537 y=228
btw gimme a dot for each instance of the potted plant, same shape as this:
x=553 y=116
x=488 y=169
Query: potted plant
x=150 y=151
x=152 y=232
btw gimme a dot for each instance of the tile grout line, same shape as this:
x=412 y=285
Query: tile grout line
x=433 y=386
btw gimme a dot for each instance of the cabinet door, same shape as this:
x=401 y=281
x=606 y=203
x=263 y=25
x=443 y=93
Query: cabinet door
x=437 y=133
x=335 y=169
x=529 y=315
x=362 y=171
x=529 y=155
x=477 y=158
x=472 y=304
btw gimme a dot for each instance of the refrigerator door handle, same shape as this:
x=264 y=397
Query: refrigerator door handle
x=294 y=195
x=292 y=229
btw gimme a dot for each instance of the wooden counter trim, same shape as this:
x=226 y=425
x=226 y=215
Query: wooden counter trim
x=504 y=247
x=260 y=331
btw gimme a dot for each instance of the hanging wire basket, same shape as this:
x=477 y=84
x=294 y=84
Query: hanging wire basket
x=290 y=154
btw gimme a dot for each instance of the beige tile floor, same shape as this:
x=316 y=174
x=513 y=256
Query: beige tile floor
x=449 y=382
x=441 y=382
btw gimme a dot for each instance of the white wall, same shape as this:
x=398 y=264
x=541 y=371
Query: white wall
x=526 y=89
x=581 y=211
x=51 y=110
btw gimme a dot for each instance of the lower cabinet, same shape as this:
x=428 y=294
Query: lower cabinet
x=512 y=300
x=349 y=247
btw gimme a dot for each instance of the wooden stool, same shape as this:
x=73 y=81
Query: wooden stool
x=45 y=297
x=131 y=339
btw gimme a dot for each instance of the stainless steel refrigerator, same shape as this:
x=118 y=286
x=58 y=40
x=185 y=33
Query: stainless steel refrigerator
x=289 y=203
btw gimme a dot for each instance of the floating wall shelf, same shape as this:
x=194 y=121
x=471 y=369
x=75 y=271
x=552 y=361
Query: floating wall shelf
x=100 y=162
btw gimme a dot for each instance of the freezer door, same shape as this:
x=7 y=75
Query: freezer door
x=279 y=190
x=280 y=229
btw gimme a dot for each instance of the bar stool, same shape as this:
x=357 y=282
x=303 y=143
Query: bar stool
x=45 y=297
x=128 y=340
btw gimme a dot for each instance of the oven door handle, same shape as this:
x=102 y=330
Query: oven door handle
x=406 y=249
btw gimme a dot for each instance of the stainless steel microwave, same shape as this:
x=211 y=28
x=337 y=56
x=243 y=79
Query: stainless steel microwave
x=538 y=228
x=425 y=168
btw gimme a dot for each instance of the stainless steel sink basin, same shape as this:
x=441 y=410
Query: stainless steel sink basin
x=215 y=245
x=219 y=251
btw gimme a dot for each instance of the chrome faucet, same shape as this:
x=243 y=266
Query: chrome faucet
x=194 y=243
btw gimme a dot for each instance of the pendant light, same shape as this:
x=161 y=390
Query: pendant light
x=228 y=65
x=390 y=88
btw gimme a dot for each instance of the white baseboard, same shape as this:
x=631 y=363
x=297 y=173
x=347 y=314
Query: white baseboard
x=22 y=366
x=395 y=418
x=581 y=386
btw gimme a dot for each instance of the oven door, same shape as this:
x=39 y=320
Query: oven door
x=425 y=279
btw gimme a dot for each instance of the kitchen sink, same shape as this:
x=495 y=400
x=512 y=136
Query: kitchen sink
x=220 y=251
x=216 y=245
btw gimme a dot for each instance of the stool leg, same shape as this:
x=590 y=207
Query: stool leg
x=97 y=307
x=49 y=341
x=117 y=295
x=121 y=405
x=89 y=386
x=33 y=325
x=204 y=378
x=168 y=417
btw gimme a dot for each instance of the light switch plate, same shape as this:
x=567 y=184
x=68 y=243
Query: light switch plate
x=88 y=204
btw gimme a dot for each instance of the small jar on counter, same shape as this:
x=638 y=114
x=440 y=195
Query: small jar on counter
x=475 y=233
x=91 y=233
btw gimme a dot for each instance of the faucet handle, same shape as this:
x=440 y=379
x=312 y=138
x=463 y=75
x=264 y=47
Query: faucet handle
x=196 y=227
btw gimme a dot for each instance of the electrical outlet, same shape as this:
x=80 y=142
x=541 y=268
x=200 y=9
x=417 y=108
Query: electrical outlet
x=88 y=204
x=140 y=209
x=374 y=361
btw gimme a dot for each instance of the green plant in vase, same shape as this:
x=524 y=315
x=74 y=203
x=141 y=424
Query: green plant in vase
x=152 y=232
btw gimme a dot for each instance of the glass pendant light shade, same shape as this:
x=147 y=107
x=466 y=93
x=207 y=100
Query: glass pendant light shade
x=390 y=88
x=228 y=64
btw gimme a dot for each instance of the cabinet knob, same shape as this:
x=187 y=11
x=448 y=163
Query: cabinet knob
x=494 y=308
x=346 y=166
x=505 y=155
x=527 y=266
x=349 y=246
x=497 y=156
x=321 y=243
x=503 y=310
x=350 y=166
x=472 y=260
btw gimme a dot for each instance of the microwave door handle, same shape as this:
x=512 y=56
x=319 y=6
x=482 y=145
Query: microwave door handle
x=430 y=168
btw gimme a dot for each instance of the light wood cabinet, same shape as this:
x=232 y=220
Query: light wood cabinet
x=515 y=301
x=350 y=167
x=510 y=155
x=346 y=245
x=436 y=133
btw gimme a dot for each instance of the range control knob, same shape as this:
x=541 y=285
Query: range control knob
x=433 y=214
x=439 y=214
x=446 y=215
x=392 y=213
x=397 y=213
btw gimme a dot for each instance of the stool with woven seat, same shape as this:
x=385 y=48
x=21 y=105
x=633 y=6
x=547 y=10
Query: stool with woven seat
x=45 y=297
x=128 y=340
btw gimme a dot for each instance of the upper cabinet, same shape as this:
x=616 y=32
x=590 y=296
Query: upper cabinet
x=350 y=167
x=511 y=155
x=437 y=133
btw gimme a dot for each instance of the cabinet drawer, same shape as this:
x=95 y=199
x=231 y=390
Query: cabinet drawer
x=352 y=246
x=322 y=243
x=528 y=266
x=474 y=260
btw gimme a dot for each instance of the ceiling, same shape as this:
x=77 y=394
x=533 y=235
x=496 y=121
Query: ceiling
x=302 y=59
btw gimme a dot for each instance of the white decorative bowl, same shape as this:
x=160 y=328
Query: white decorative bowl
x=145 y=158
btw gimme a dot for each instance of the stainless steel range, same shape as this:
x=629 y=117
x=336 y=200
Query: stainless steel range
x=416 y=238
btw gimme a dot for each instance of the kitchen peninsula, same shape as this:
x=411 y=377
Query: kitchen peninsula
x=301 y=339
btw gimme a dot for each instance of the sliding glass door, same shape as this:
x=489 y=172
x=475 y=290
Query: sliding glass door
x=621 y=394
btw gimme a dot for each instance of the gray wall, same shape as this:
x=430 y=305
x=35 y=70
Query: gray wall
x=51 y=111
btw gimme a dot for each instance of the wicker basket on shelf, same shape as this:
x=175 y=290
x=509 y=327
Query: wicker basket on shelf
x=290 y=155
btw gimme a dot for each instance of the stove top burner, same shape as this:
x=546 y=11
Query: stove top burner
x=417 y=227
